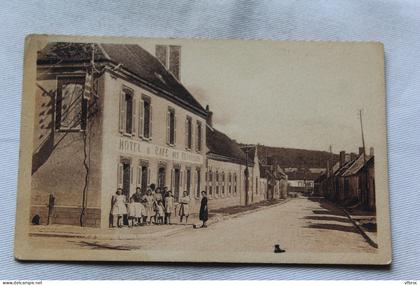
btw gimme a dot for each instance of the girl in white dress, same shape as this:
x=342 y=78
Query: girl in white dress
x=118 y=208
x=131 y=209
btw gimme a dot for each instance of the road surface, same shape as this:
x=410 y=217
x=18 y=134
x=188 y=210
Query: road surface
x=300 y=225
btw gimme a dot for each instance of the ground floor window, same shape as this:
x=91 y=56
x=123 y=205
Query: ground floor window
x=188 y=181
x=230 y=183
x=256 y=185
x=144 y=176
x=176 y=182
x=235 y=185
x=161 y=177
x=223 y=183
x=124 y=176
x=210 y=182
x=197 y=182
x=217 y=183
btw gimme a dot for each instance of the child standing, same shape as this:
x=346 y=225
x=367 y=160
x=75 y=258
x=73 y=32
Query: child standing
x=131 y=207
x=169 y=207
x=118 y=209
x=160 y=213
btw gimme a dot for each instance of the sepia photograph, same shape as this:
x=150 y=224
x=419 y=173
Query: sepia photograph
x=191 y=150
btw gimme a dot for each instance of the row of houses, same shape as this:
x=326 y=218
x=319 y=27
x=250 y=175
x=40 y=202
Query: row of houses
x=114 y=116
x=351 y=181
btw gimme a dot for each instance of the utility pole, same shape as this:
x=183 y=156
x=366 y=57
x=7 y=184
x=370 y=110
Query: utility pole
x=364 y=193
x=246 y=177
x=332 y=182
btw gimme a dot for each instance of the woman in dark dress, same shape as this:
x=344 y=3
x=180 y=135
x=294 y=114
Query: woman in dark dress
x=204 y=211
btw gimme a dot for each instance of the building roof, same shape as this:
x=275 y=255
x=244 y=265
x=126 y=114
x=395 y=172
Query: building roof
x=132 y=58
x=357 y=165
x=224 y=148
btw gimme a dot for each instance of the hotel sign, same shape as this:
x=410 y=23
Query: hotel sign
x=141 y=148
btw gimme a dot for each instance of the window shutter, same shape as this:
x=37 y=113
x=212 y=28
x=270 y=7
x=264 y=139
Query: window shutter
x=203 y=137
x=122 y=112
x=180 y=178
x=168 y=127
x=192 y=135
x=120 y=175
x=175 y=128
x=134 y=118
x=186 y=132
x=148 y=175
x=139 y=175
x=131 y=174
x=150 y=120
x=197 y=141
x=141 y=120
x=172 y=180
x=197 y=177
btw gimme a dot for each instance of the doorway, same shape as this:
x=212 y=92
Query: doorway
x=126 y=179
x=161 y=177
x=177 y=180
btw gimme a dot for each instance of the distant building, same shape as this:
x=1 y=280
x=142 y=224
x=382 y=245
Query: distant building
x=302 y=180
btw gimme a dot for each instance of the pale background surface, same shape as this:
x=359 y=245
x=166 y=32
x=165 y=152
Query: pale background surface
x=393 y=23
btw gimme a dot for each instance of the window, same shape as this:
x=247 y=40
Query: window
x=230 y=183
x=127 y=112
x=235 y=183
x=256 y=185
x=171 y=127
x=210 y=181
x=145 y=118
x=199 y=137
x=71 y=107
x=197 y=182
x=143 y=175
x=223 y=183
x=188 y=181
x=124 y=176
x=217 y=182
x=176 y=177
x=161 y=176
x=188 y=132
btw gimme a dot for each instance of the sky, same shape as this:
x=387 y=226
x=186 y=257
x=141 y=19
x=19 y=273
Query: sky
x=288 y=94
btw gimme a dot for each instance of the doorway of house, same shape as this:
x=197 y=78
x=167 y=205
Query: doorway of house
x=177 y=180
x=126 y=185
x=161 y=177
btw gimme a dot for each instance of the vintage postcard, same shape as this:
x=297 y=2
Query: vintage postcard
x=191 y=150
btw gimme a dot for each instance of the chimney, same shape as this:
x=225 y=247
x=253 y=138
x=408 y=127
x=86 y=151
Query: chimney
x=360 y=150
x=371 y=152
x=347 y=157
x=209 y=119
x=170 y=57
x=342 y=158
x=353 y=156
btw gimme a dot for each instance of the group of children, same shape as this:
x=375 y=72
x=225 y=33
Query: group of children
x=154 y=207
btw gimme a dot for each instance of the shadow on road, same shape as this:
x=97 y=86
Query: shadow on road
x=329 y=217
x=334 y=227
